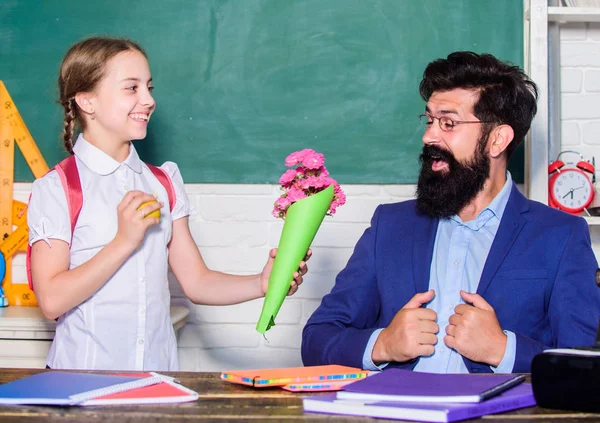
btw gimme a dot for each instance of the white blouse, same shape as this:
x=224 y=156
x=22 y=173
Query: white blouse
x=126 y=324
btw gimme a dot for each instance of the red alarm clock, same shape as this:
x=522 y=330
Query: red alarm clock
x=571 y=186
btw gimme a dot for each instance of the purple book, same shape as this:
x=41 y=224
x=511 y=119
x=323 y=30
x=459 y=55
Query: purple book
x=406 y=385
x=518 y=397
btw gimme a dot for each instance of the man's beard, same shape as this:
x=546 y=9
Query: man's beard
x=441 y=194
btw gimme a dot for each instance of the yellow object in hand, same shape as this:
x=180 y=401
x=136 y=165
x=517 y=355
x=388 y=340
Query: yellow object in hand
x=155 y=213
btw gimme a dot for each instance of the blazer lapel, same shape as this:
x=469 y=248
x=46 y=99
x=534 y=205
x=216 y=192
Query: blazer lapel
x=423 y=240
x=511 y=224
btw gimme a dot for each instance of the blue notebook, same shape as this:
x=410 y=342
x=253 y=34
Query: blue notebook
x=518 y=397
x=69 y=388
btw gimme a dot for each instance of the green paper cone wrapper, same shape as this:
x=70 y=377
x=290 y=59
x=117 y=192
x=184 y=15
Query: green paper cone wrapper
x=302 y=222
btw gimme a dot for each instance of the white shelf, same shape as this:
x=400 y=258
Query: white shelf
x=23 y=322
x=26 y=335
x=592 y=221
x=574 y=14
x=541 y=38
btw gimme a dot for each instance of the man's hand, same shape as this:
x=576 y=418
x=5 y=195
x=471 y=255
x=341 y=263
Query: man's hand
x=474 y=331
x=410 y=334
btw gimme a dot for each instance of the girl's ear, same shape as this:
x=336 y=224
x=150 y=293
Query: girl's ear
x=84 y=103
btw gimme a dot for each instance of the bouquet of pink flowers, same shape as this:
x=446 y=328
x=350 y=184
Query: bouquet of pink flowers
x=310 y=177
x=308 y=195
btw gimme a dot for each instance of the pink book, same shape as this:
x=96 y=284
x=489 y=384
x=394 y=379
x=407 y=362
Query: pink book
x=168 y=391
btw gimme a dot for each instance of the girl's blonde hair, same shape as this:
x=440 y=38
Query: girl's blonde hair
x=81 y=70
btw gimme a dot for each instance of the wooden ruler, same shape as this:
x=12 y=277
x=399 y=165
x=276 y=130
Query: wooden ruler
x=19 y=213
x=12 y=213
x=21 y=135
x=7 y=160
x=17 y=241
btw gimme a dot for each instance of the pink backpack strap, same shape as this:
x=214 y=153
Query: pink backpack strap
x=166 y=182
x=69 y=178
x=28 y=259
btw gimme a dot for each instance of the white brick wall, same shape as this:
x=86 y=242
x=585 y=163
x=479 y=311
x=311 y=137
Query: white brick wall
x=580 y=92
x=580 y=88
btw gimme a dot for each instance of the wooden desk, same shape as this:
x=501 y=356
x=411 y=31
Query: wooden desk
x=223 y=401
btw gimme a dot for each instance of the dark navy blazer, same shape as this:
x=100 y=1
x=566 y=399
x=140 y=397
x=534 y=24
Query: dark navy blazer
x=539 y=277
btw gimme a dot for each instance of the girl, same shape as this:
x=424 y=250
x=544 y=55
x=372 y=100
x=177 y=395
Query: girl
x=106 y=282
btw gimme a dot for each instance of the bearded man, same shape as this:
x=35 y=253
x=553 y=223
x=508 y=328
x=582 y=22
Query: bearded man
x=471 y=276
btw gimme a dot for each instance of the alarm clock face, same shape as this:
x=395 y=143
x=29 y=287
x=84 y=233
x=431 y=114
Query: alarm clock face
x=571 y=190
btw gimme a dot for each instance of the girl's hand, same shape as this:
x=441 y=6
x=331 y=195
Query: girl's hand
x=295 y=283
x=133 y=223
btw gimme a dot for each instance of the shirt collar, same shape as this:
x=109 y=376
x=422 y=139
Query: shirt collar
x=100 y=162
x=495 y=208
x=498 y=204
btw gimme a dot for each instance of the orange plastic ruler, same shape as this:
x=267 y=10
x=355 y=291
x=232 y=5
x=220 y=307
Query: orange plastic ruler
x=13 y=213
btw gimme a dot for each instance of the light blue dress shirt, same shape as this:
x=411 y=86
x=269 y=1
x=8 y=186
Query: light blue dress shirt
x=459 y=254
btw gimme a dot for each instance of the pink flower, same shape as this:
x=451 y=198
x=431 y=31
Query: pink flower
x=294 y=158
x=339 y=195
x=295 y=194
x=303 y=184
x=334 y=205
x=313 y=160
x=308 y=178
x=288 y=177
x=283 y=203
x=321 y=181
x=327 y=181
x=312 y=182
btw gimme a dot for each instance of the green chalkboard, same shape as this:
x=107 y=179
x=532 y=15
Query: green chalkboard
x=240 y=84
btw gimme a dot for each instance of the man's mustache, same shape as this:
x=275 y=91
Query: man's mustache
x=431 y=152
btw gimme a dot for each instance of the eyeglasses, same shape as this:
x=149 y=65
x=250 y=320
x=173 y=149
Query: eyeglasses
x=446 y=124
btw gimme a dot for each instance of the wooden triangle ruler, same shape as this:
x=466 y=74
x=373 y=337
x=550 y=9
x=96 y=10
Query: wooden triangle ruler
x=13 y=213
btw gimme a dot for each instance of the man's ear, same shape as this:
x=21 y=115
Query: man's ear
x=84 y=103
x=499 y=139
